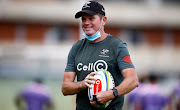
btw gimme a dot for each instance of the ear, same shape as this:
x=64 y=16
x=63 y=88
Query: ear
x=104 y=20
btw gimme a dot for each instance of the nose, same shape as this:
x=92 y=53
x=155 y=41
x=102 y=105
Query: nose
x=86 y=21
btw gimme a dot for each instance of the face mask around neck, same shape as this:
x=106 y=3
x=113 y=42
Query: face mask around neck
x=93 y=37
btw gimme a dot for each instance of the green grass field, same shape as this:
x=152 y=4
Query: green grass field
x=10 y=87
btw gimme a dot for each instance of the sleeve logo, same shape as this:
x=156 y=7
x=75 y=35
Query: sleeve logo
x=127 y=59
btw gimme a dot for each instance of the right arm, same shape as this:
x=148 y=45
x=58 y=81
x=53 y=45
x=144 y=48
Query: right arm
x=69 y=87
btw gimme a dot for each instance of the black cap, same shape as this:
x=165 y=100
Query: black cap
x=92 y=8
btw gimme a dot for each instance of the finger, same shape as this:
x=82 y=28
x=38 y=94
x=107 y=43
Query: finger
x=93 y=73
x=90 y=82
x=88 y=85
x=95 y=99
x=92 y=78
x=92 y=102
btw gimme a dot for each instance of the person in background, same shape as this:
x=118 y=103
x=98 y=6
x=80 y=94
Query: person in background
x=175 y=96
x=98 y=50
x=131 y=97
x=34 y=96
x=151 y=97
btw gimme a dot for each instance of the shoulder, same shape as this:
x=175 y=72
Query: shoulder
x=116 y=41
x=113 y=38
x=80 y=42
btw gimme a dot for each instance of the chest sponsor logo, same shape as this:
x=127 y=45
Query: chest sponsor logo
x=99 y=64
x=104 y=52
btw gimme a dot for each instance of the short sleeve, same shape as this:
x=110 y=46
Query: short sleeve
x=70 y=66
x=123 y=57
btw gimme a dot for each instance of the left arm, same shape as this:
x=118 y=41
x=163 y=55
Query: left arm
x=129 y=83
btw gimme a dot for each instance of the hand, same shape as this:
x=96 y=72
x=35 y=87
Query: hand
x=89 y=80
x=92 y=102
x=102 y=97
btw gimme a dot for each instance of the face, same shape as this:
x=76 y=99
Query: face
x=90 y=24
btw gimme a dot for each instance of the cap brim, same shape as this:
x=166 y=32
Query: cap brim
x=79 y=14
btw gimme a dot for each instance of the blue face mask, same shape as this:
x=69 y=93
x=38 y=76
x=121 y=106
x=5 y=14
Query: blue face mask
x=93 y=37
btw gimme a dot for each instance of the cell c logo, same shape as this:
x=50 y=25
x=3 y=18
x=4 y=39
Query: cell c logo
x=100 y=64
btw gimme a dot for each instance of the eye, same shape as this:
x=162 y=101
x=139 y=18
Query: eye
x=92 y=18
x=83 y=19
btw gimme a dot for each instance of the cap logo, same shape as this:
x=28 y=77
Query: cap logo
x=86 y=5
x=103 y=10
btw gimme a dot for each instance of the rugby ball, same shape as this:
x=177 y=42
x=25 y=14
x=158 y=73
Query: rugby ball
x=104 y=82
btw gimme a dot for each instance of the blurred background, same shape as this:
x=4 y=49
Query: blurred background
x=36 y=36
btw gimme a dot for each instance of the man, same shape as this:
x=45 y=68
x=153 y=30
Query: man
x=36 y=96
x=98 y=50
